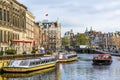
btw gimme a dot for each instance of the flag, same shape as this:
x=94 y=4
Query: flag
x=46 y=14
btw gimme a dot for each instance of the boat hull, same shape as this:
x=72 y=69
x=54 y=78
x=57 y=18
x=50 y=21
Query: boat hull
x=102 y=62
x=17 y=75
x=67 y=60
x=102 y=59
x=29 y=69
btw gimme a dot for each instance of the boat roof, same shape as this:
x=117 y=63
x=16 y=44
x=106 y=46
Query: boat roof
x=102 y=54
x=50 y=57
x=26 y=62
x=36 y=59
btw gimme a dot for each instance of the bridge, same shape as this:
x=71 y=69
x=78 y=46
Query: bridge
x=85 y=50
x=90 y=50
x=93 y=51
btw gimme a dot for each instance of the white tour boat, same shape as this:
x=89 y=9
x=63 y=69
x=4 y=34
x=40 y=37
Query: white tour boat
x=28 y=65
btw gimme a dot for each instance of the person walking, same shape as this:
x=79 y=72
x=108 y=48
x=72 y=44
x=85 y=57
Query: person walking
x=42 y=50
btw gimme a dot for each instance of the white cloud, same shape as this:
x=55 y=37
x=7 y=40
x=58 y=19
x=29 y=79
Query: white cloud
x=103 y=15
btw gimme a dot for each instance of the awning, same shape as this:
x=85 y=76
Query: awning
x=21 y=41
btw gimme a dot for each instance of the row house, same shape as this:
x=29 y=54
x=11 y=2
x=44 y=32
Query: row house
x=42 y=42
x=115 y=40
x=36 y=43
x=108 y=41
x=53 y=35
x=49 y=35
x=71 y=35
x=94 y=37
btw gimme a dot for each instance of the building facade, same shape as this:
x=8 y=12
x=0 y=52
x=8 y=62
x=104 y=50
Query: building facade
x=53 y=32
x=12 y=23
x=36 y=44
x=42 y=35
x=95 y=38
x=71 y=35
x=29 y=35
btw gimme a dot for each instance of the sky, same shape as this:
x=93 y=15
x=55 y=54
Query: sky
x=101 y=15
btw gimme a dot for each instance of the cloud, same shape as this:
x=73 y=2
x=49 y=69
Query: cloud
x=78 y=14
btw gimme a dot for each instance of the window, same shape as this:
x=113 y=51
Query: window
x=0 y=35
x=4 y=36
x=8 y=16
x=13 y=20
x=0 y=13
x=18 y=37
x=13 y=37
x=18 y=22
x=8 y=36
x=4 y=15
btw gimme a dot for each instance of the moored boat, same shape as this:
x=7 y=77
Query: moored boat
x=105 y=59
x=29 y=65
x=67 y=57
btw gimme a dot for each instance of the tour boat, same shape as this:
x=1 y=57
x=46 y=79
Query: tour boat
x=67 y=57
x=29 y=65
x=102 y=58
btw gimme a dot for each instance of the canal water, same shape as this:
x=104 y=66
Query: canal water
x=77 y=70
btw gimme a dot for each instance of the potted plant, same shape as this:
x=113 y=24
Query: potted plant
x=10 y=51
x=1 y=52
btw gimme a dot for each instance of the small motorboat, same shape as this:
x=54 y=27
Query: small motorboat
x=102 y=59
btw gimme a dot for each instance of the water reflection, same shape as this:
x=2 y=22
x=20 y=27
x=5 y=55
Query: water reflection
x=46 y=74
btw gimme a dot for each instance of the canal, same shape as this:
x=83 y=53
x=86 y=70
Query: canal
x=77 y=70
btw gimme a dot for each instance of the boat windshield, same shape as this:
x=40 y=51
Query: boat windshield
x=18 y=63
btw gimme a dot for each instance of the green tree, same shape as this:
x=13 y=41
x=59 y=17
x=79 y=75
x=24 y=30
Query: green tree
x=81 y=39
x=66 y=41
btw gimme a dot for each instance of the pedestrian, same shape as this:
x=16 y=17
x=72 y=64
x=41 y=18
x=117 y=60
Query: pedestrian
x=42 y=50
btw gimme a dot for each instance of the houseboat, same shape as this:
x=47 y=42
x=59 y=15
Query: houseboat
x=29 y=65
x=67 y=57
x=99 y=59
